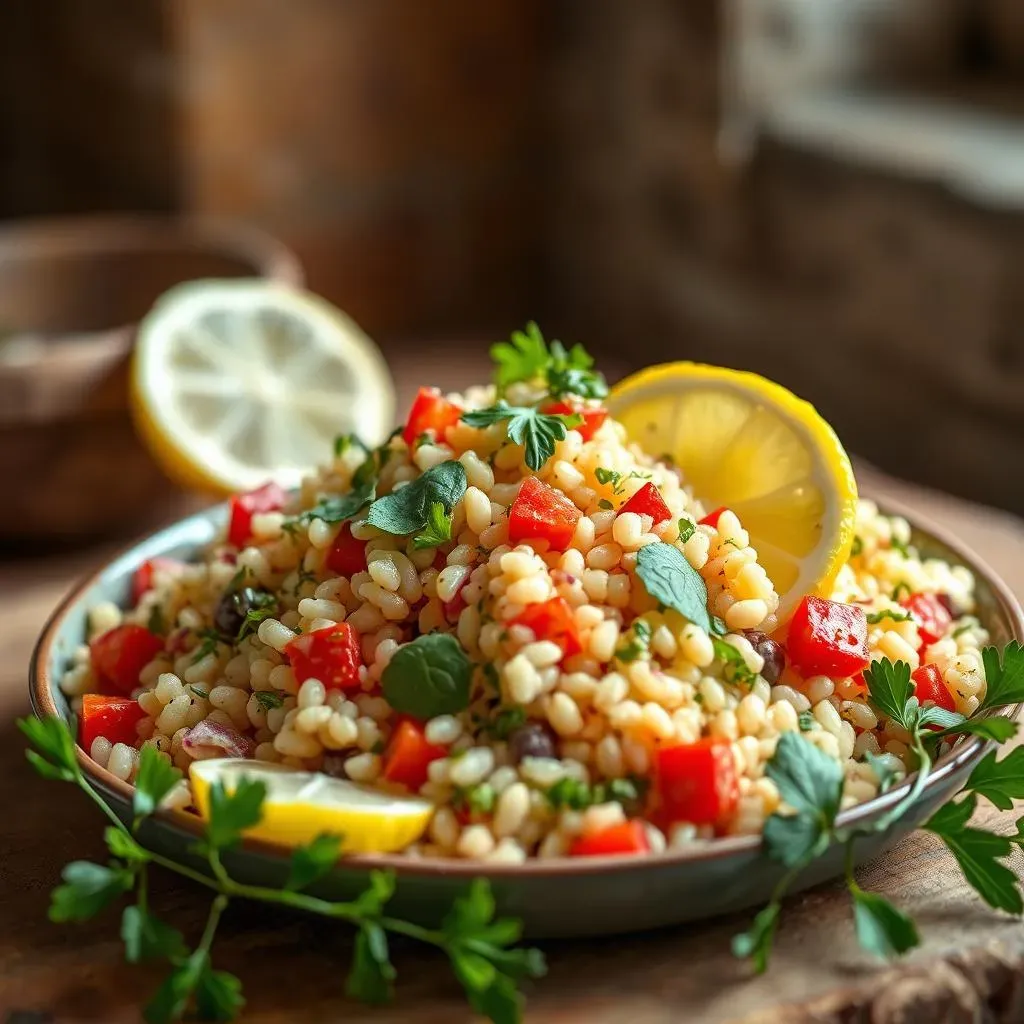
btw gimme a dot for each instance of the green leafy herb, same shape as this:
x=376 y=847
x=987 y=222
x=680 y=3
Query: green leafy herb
x=609 y=476
x=480 y=947
x=640 y=644
x=901 y=590
x=527 y=358
x=899 y=547
x=346 y=442
x=1000 y=782
x=408 y=509
x=756 y=942
x=733 y=662
x=687 y=528
x=881 y=928
x=268 y=699
x=438 y=529
x=889 y=613
x=997 y=729
x=506 y=721
x=428 y=677
x=156 y=623
x=1005 y=676
x=338 y=508
x=258 y=605
x=857 y=547
x=537 y=431
x=605 y=504
x=199 y=691
x=578 y=795
x=674 y=583
x=887 y=776
x=478 y=800
x=211 y=638
x=806 y=721
x=890 y=688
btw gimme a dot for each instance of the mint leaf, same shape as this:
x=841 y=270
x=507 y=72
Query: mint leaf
x=312 y=861
x=538 y=432
x=756 y=942
x=54 y=755
x=1005 y=677
x=155 y=778
x=438 y=529
x=232 y=813
x=407 y=510
x=88 y=888
x=1000 y=782
x=881 y=928
x=978 y=853
x=337 y=509
x=674 y=583
x=428 y=677
x=890 y=688
x=148 y=938
x=372 y=975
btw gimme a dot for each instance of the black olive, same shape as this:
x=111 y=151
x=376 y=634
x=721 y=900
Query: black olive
x=233 y=607
x=334 y=765
x=772 y=653
x=531 y=740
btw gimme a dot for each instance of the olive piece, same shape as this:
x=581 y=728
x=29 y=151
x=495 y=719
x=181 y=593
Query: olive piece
x=233 y=607
x=772 y=653
x=531 y=740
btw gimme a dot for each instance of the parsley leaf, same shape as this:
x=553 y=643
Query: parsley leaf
x=672 y=581
x=735 y=666
x=881 y=928
x=1000 y=782
x=537 y=431
x=609 y=476
x=312 y=861
x=408 y=509
x=756 y=942
x=889 y=613
x=146 y=937
x=806 y=721
x=156 y=777
x=438 y=529
x=639 y=646
x=88 y=888
x=54 y=754
x=687 y=528
x=218 y=994
x=345 y=442
x=372 y=976
x=1005 y=677
x=570 y=373
x=338 y=508
x=232 y=813
x=890 y=688
x=268 y=699
x=527 y=358
x=998 y=729
x=429 y=676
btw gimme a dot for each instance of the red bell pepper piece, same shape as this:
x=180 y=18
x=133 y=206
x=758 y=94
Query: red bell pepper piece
x=711 y=519
x=541 y=513
x=142 y=581
x=648 y=502
x=430 y=412
x=929 y=687
x=408 y=754
x=268 y=498
x=347 y=554
x=828 y=638
x=592 y=418
x=114 y=718
x=931 y=615
x=552 y=620
x=624 y=838
x=331 y=655
x=120 y=654
x=697 y=782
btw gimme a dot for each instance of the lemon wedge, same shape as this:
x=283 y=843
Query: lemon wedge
x=749 y=444
x=237 y=382
x=299 y=806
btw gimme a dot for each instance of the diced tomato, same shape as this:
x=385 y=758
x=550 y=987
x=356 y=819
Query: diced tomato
x=542 y=513
x=711 y=519
x=268 y=498
x=552 y=620
x=648 y=502
x=114 y=718
x=592 y=418
x=430 y=411
x=931 y=615
x=331 y=655
x=407 y=755
x=142 y=581
x=697 y=782
x=120 y=654
x=828 y=638
x=347 y=555
x=626 y=837
x=929 y=687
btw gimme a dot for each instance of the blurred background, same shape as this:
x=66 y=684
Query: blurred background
x=830 y=192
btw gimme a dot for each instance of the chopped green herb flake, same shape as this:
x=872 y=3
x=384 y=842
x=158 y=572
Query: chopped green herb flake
x=605 y=504
x=438 y=529
x=687 y=528
x=806 y=721
x=268 y=699
x=889 y=613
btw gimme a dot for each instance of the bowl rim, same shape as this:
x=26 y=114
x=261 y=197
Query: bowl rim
x=948 y=765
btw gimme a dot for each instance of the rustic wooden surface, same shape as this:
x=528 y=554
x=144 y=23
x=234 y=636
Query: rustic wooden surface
x=293 y=968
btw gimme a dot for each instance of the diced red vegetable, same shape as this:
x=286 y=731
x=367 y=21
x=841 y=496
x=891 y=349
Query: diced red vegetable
x=697 y=782
x=408 y=754
x=828 y=638
x=711 y=519
x=592 y=418
x=542 y=513
x=142 y=581
x=648 y=502
x=120 y=654
x=929 y=687
x=268 y=498
x=347 y=555
x=931 y=615
x=626 y=837
x=430 y=411
x=114 y=718
x=552 y=620
x=331 y=655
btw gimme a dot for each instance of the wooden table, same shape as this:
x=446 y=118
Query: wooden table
x=76 y=973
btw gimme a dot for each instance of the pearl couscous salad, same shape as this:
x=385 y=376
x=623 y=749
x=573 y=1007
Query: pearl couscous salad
x=537 y=621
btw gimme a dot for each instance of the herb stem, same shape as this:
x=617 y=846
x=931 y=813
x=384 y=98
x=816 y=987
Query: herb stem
x=102 y=805
x=217 y=907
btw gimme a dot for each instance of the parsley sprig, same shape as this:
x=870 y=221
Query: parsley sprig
x=529 y=359
x=537 y=431
x=481 y=948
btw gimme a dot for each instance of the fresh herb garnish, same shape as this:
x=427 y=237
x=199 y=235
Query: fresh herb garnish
x=1005 y=676
x=438 y=529
x=902 y=589
x=338 y=508
x=479 y=946
x=639 y=645
x=346 y=442
x=506 y=721
x=733 y=663
x=806 y=721
x=609 y=476
x=899 y=547
x=259 y=605
x=537 y=431
x=407 y=510
x=687 y=528
x=156 y=623
x=889 y=613
x=672 y=581
x=268 y=699
x=211 y=638
x=478 y=800
x=578 y=795
x=198 y=691
x=605 y=504
x=857 y=547
x=428 y=677
x=528 y=359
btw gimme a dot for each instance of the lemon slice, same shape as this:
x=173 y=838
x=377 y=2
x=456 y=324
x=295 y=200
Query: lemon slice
x=237 y=382
x=748 y=443
x=299 y=806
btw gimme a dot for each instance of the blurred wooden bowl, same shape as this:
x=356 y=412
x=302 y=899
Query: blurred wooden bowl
x=71 y=294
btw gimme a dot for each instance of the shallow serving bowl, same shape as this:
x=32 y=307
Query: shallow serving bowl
x=592 y=896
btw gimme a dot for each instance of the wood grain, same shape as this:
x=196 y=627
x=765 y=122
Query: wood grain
x=294 y=968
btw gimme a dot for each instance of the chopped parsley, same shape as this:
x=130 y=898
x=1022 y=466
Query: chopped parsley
x=733 y=662
x=889 y=613
x=200 y=692
x=902 y=589
x=506 y=721
x=438 y=528
x=687 y=528
x=578 y=796
x=478 y=800
x=527 y=358
x=537 y=431
x=211 y=638
x=268 y=699
x=639 y=645
x=609 y=476
x=899 y=546
x=605 y=504
x=806 y=720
